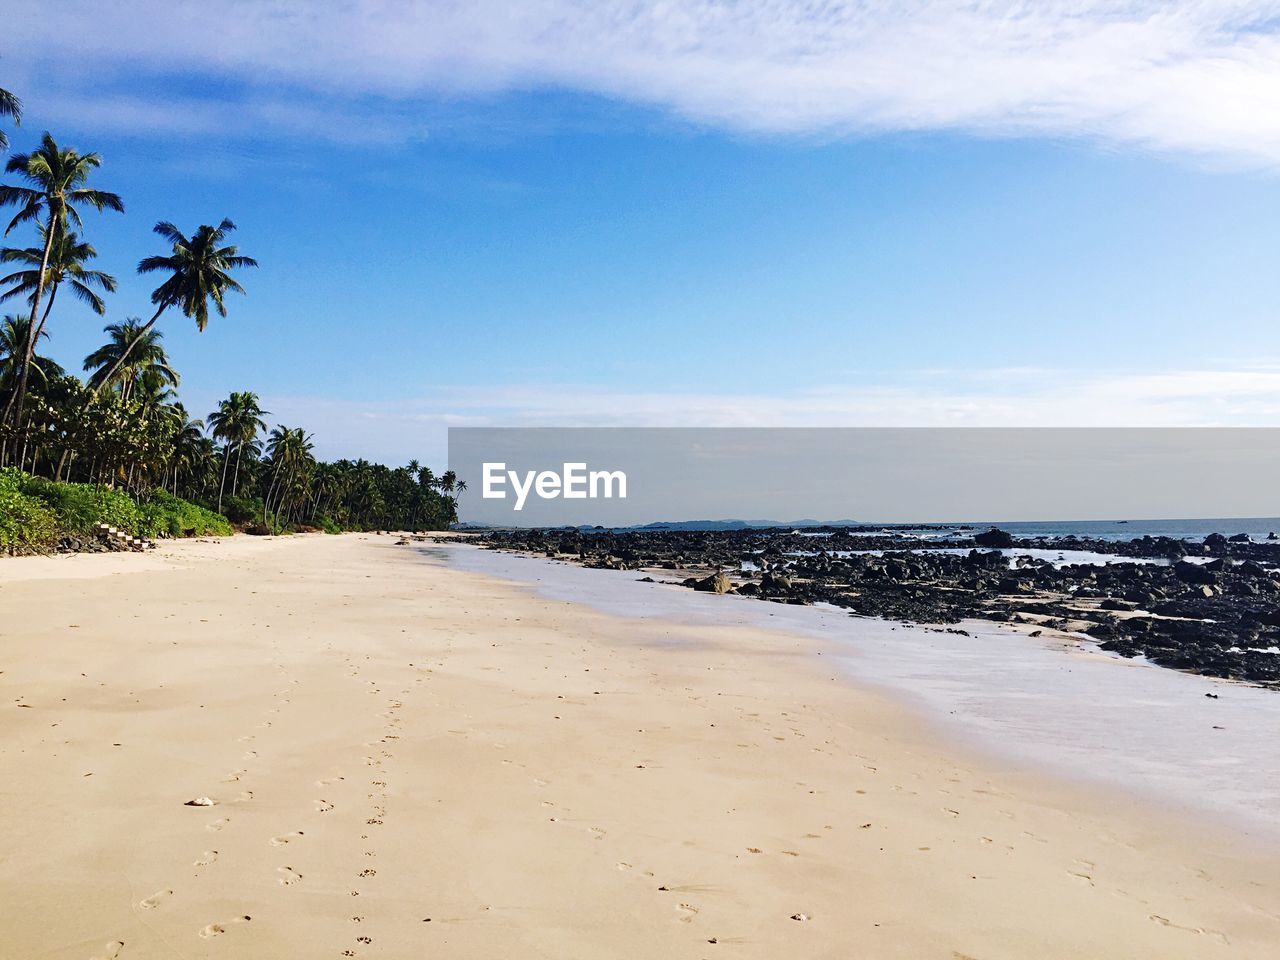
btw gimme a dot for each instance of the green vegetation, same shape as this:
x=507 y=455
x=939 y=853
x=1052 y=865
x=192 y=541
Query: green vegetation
x=26 y=524
x=118 y=447
x=36 y=513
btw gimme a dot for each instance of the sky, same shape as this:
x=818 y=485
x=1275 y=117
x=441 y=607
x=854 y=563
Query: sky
x=722 y=214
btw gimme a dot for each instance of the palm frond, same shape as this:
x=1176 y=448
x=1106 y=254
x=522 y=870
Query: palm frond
x=171 y=233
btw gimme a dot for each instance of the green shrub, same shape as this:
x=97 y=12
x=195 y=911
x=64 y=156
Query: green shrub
x=26 y=523
x=80 y=507
x=327 y=524
x=35 y=512
x=165 y=514
x=242 y=509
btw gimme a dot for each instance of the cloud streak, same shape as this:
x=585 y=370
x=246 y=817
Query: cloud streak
x=1185 y=76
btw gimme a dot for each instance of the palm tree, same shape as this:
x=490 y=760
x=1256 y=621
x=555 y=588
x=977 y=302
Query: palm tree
x=188 y=444
x=56 y=179
x=148 y=354
x=11 y=107
x=198 y=266
x=236 y=422
x=67 y=258
x=14 y=331
x=291 y=458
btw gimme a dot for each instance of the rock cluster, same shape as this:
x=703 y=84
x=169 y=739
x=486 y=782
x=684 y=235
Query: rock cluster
x=1219 y=615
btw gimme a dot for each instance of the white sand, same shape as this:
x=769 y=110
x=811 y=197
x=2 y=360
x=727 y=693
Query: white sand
x=409 y=761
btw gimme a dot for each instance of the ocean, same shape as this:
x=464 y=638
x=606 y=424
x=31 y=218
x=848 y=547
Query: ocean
x=1256 y=527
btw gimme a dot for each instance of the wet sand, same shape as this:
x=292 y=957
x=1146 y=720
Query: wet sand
x=408 y=760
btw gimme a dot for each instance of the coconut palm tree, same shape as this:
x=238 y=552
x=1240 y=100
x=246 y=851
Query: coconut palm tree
x=67 y=259
x=236 y=422
x=56 y=179
x=198 y=268
x=148 y=355
x=14 y=331
x=11 y=107
x=188 y=444
x=289 y=450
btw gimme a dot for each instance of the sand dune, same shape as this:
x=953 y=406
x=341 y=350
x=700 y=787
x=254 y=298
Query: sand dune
x=405 y=761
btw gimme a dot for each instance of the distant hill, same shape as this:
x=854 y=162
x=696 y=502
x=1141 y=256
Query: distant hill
x=741 y=524
x=691 y=525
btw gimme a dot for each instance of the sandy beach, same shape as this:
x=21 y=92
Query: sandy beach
x=406 y=760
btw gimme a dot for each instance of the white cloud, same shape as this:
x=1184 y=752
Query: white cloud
x=397 y=430
x=1197 y=76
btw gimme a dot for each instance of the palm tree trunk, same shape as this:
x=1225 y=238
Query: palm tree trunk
x=225 y=458
x=124 y=355
x=48 y=309
x=17 y=398
x=266 y=501
x=235 y=481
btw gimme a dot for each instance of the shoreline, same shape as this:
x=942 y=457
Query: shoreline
x=1205 y=608
x=1162 y=753
x=517 y=740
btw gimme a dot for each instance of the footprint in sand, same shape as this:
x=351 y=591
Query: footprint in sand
x=110 y=951
x=1202 y=931
x=687 y=912
x=157 y=898
x=323 y=806
x=216 y=825
x=284 y=838
x=208 y=857
x=329 y=780
x=596 y=833
x=218 y=929
x=233 y=776
x=288 y=876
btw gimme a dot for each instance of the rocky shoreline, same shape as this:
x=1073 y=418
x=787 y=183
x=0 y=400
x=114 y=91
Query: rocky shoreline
x=1209 y=607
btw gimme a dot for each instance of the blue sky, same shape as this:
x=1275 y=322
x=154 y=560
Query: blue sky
x=497 y=248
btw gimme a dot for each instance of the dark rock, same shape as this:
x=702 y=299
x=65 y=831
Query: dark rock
x=1189 y=572
x=994 y=538
x=716 y=583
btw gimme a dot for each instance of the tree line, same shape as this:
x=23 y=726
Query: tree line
x=122 y=425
